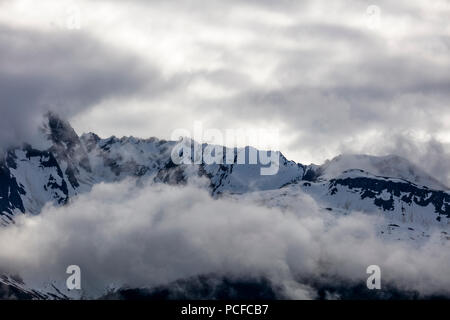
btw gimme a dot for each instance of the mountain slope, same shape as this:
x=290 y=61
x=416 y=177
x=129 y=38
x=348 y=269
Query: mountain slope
x=386 y=166
x=70 y=165
x=413 y=204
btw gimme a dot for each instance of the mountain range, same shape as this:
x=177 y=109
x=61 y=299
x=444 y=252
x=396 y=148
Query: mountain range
x=65 y=165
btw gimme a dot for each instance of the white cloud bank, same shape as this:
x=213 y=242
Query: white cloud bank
x=149 y=235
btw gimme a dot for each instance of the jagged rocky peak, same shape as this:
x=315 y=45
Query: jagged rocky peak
x=60 y=131
x=90 y=140
x=392 y=166
x=66 y=146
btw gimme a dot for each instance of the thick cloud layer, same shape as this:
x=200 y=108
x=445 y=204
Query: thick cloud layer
x=63 y=72
x=147 y=235
x=432 y=154
x=329 y=76
x=429 y=153
x=315 y=70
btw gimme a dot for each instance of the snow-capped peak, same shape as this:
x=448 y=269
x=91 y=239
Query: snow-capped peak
x=392 y=166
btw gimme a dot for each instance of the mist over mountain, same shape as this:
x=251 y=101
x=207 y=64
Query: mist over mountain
x=116 y=158
x=117 y=206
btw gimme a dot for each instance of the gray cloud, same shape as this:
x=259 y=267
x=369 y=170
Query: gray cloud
x=431 y=154
x=371 y=91
x=314 y=68
x=66 y=72
x=118 y=239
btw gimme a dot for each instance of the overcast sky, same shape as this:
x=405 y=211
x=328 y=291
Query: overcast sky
x=331 y=76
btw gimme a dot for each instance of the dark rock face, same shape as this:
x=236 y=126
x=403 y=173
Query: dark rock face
x=405 y=191
x=310 y=174
x=209 y=287
x=67 y=147
x=13 y=288
x=8 y=292
x=345 y=290
x=10 y=191
x=171 y=174
x=48 y=160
